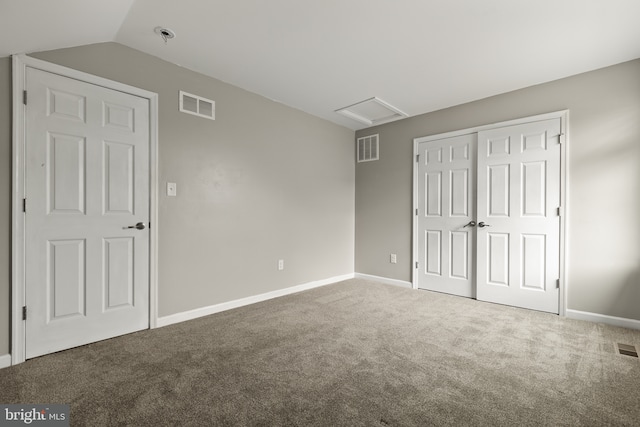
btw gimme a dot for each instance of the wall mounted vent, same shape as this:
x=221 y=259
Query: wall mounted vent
x=372 y=111
x=197 y=105
x=368 y=148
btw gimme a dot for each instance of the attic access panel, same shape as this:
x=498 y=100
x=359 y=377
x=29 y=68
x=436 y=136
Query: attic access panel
x=372 y=111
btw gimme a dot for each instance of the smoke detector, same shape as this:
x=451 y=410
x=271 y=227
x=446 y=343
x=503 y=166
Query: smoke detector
x=165 y=33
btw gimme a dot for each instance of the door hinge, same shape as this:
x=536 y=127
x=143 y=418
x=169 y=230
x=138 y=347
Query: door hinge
x=24 y=312
x=416 y=212
x=560 y=211
x=559 y=136
x=558 y=284
x=417 y=264
x=24 y=97
x=24 y=205
x=417 y=158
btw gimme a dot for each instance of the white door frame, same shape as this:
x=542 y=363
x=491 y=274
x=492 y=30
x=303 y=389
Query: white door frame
x=18 y=257
x=564 y=196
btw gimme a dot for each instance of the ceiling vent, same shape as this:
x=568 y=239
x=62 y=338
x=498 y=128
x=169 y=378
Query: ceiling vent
x=372 y=112
x=368 y=148
x=197 y=105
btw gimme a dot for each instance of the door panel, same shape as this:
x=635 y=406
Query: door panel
x=66 y=179
x=497 y=259
x=518 y=197
x=87 y=179
x=119 y=182
x=534 y=248
x=459 y=193
x=459 y=245
x=534 y=200
x=118 y=270
x=434 y=252
x=433 y=194
x=447 y=203
x=498 y=189
x=66 y=282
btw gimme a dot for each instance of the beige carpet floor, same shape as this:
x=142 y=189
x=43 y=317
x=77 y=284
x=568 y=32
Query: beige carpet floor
x=355 y=353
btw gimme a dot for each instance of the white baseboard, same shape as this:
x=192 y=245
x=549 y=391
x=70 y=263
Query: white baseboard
x=217 y=308
x=386 y=280
x=603 y=318
x=5 y=361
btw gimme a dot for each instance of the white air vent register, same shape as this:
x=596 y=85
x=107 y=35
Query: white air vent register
x=368 y=148
x=197 y=105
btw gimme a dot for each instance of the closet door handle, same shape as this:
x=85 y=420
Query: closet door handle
x=482 y=225
x=470 y=224
x=138 y=226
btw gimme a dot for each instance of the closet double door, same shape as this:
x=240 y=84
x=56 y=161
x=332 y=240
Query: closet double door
x=488 y=209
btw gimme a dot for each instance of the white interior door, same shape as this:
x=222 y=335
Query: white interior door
x=87 y=180
x=446 y=206
x=518 y=201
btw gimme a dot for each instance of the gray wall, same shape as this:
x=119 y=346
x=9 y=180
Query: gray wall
x=604 y=183
x=260 y=183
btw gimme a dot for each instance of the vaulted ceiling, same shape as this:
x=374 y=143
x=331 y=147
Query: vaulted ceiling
x=319 y=56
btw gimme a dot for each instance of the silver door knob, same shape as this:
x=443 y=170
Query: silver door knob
x=470 y=224
x=482 y=225
x=138 y=226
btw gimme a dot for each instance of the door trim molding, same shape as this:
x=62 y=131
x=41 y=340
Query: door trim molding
x=563 y=115
x=20 y=64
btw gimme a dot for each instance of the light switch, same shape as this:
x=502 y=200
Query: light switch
x=172 y=189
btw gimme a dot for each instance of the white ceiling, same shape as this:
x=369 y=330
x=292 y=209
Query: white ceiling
x=318 y=56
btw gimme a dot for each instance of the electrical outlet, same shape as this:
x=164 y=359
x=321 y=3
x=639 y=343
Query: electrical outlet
x=280 y=264
x=393 y=259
